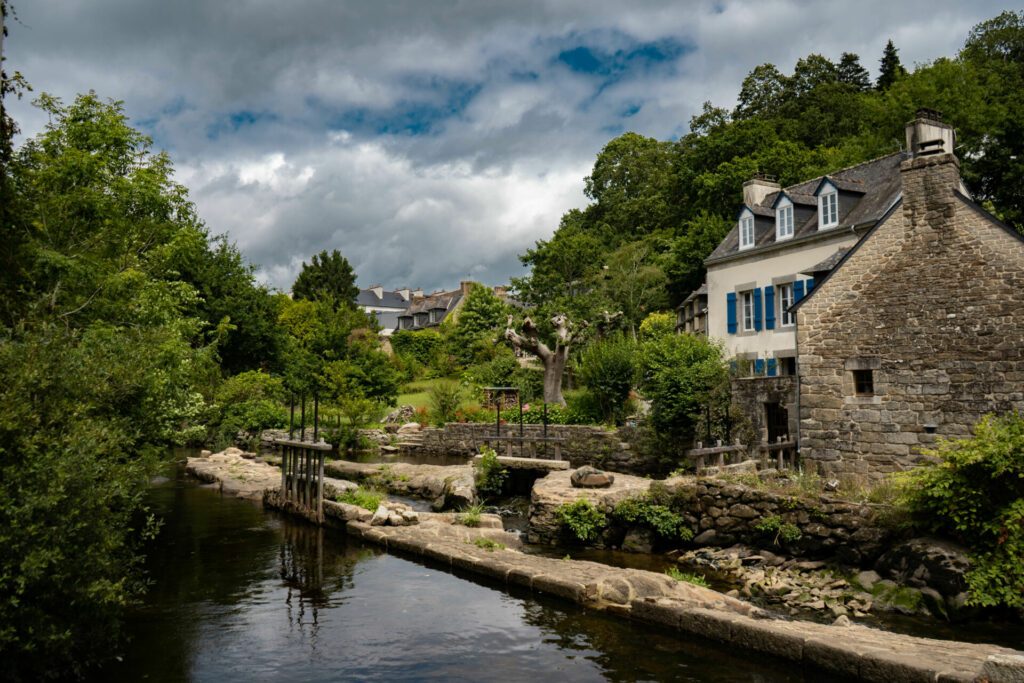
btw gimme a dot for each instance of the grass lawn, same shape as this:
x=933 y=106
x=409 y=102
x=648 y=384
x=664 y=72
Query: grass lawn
x=417 y=394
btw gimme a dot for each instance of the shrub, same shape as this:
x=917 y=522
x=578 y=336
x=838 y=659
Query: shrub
x=445 y=398
x=470 y=516
x=419 y=346
x=366 y=498
x=773 y=524
x=585 y=521
x=359 y=411
x=659 y=518
x=657 y=325
x=607 y=368
x=974 y=492
x=688 y=577
x=490 y=475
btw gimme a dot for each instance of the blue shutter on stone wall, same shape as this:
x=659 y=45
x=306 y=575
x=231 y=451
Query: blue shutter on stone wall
x=759 y=366
x=769 y=307
x=798 y=290
x=810 y=285
x=757 y=309
x=730 y=311
x=773 y=367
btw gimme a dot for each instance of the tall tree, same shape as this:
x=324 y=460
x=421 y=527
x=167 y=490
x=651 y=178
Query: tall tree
x=852 y=73
x=890 y=70
x=762 y=92
x=328 y=275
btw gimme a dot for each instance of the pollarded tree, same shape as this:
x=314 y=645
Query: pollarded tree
x=554 y=359
x=328 y=275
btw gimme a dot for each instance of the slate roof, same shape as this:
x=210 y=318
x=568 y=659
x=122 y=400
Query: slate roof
x=874 y=186
x=366 y=297
x=443 y=300
x=829 y=263
x=702 y=290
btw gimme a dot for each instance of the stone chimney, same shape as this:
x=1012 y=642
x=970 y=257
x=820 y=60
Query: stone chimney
x=931 y=175
x=757 y=188
x=378 y=291
x=465 y=286
x=404 y=292
x=417 y=293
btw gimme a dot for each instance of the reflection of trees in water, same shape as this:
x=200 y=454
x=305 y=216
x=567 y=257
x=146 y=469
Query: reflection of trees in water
x=629 y=651
x=315 y=571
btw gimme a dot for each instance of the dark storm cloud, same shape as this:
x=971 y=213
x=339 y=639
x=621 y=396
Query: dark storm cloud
x=426 y=140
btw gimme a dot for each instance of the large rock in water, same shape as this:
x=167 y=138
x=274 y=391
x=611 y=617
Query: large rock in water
x=588 y=477
x=927 y=562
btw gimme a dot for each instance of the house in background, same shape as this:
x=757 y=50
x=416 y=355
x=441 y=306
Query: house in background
x=386 y=305
x=787 y=241
x=406 y=309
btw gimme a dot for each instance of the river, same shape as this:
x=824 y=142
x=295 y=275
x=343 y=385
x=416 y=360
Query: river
x=242 y=594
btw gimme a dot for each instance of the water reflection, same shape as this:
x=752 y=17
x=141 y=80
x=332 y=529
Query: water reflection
x=240 y=594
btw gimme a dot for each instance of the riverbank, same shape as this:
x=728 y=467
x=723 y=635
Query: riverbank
x=841 y=648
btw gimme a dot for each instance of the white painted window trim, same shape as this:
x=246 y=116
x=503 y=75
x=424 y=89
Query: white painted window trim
x=784 y=227
x=747 y=301
x=783 y=305
x=828 y=207
x=747 y=237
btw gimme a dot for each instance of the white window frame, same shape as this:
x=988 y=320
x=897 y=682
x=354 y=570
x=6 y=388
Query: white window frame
x=746 y=230
x=786 y=319
x=784 y=227
x=747 y=309
x=828 y=207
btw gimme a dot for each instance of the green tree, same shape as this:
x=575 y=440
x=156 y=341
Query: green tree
x=327 y=276
x=607 y=368
x=852 y=73
x=634 y=282
x=890 y=69
x=762 y=93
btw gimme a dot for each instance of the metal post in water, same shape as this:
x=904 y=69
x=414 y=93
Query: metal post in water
x=316 y=417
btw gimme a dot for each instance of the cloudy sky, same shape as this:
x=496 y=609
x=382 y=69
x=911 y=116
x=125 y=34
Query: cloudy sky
x=427 y=140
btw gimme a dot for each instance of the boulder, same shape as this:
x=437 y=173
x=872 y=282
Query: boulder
x=588 y=477
x=638 y=541
x=380 y=517
x=927 y=562
x=410 y=428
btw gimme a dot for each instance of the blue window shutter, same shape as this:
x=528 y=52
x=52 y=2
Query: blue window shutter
x=759 y=366
x=773 y=366
x=798 y=290
x=810 y=285
x=757 y=309
x=769 y=307
x=730 y=310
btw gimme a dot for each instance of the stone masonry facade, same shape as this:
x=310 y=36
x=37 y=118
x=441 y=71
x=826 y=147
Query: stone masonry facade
x=929 y=309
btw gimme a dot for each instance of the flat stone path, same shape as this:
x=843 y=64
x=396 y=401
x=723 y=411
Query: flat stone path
x=850 y=650
x=246 y=476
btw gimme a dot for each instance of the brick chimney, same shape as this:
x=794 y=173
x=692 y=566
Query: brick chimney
x=931 y=174
x=465 y=286
x=757 y=188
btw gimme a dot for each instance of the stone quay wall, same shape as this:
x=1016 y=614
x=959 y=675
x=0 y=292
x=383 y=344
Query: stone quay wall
x=610 y=449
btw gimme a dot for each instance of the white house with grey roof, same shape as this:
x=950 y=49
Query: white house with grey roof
x=386 y=305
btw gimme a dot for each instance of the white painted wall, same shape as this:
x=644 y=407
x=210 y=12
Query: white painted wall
x=761 y=269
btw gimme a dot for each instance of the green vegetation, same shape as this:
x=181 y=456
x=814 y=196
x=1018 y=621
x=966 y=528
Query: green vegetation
x=488 y=544
x=366 y=498
x=470 y=516
x=653 y=515
x=328 y=277
x=490 y=474
x=585 y=521
x=445 y=399
x=687 y=577
x=785 y=531
x=607 y=368
x=974 y=492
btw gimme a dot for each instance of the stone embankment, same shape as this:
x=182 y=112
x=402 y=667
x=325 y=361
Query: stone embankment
x=841 y=648
x=449 y=488
x=247 y=475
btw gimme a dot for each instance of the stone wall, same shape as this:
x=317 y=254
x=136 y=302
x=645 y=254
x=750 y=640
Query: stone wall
x=931 y=303
x=609 y=449
x=750 y=394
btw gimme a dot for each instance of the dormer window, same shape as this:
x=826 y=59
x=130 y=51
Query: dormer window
x=784 y=219
x=828 y=207
x=746 y=229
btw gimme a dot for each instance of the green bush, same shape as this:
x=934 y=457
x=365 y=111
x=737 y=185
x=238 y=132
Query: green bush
x=419 y=346
x=470 y=516
x=585 y=521
x=607 y=368
x=687 y=577
x=657 y=325
x=490 y=474
x=445 y=398
x=773 y=524
x=655 y=516
x=974 y=492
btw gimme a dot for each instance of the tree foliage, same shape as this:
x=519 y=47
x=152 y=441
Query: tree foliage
x=607 y=368
x=327 y=276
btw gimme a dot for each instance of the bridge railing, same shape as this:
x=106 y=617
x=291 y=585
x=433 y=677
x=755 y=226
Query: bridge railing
x=302 y=474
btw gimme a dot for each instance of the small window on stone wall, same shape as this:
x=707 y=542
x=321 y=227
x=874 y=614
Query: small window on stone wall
x=787 y=366
x=864 y=382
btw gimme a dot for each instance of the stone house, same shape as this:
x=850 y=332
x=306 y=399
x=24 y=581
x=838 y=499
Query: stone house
x=796 y=351
x=918 y=330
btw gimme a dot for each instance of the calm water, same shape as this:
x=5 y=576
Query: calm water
x=244 y=595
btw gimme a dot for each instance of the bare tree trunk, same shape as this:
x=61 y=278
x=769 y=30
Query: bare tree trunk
x=553 y=360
